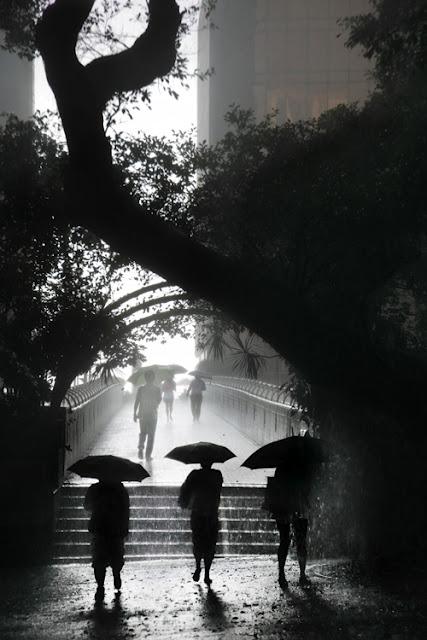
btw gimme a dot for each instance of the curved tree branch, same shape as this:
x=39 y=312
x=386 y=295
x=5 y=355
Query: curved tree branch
x=136 y=294
x=151 y=303
x=152 y=55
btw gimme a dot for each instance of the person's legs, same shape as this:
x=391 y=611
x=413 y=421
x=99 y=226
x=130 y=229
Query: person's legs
x=283 y=526
x=300 y=526
x=193 y=402
x=197 y=536
x=199 y=406
x=99 y=571
x=170 y=404
x=208 y=558
x=142 y=436
x=117 y=551
x=151 y=430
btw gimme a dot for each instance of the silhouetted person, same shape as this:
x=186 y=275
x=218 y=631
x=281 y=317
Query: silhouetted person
x=195 y=391
x=168 y=389
x=108 y=503
x=201 y=492
x=288 y=500
x=148 y=398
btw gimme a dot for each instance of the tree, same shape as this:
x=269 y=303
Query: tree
x=57 y=282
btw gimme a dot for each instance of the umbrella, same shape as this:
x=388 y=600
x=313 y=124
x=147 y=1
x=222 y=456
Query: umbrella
x=296 y=449
x=200 y=452
x=202 y=374
x=110 y=468
x=161 y=372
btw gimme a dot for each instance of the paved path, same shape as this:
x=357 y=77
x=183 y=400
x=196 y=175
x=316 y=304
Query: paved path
x=159 y=601
x=120 y=437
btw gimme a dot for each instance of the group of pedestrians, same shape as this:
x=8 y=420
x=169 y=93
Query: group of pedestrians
x=287 y=499
x=147 y=402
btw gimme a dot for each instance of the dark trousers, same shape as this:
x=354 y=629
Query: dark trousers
x=147 y=430
x=196 y=405
x=299 y=530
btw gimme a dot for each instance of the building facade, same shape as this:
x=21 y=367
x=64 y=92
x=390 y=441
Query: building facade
x=287 y=56
x=16 y=86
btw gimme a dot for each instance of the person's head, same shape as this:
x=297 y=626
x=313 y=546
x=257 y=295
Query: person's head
x=169 y=377
x=206 y=464
x=149 y=376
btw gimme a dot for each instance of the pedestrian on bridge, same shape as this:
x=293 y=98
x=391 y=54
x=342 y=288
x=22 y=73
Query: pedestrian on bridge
x=108 y=502
x=168 y=389
x=195 y=391
x=148 y=398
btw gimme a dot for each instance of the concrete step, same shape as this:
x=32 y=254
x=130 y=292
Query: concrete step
x=166 y=490
x=83 y=550
x=171 y=536
x=171 y=511
x=155 y=522
x=164 y=500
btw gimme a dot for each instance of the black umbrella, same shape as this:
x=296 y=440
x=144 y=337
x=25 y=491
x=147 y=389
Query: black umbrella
x=201 y=374
x=198 y=452
x=161 y=371
x=295 y=450
x=110 y=468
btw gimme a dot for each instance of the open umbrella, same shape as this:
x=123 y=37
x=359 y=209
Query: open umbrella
x=295 y=449
x=110 y=468
x=161 y=372
x=200 y=452
x=202 y=374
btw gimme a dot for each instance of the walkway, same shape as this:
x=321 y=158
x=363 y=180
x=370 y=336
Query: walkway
x=120 y=437
x=159 y=601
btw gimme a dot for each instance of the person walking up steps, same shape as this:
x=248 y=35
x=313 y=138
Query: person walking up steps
x=108 y=503
x=201 y=493
x=148 y=398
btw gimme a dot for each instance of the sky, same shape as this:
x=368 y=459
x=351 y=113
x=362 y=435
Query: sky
x=166 y=114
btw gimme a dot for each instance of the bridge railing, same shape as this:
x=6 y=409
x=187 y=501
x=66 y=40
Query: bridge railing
x=88 y=407
x=260 y=410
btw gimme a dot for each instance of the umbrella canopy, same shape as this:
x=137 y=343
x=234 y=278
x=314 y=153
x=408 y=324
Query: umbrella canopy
x=296 y=450
x=161 y=372
x=202 y=374
x=110 y=468
x=198 y=452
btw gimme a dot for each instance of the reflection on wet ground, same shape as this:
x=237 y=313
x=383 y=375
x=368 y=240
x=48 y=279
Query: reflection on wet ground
x=160 y=601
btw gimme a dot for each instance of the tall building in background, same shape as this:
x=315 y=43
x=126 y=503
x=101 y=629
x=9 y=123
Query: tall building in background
x=287 y=56
x=16 y=85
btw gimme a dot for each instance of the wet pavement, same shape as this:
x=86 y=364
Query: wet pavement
x=120 y=437
x=159 y=600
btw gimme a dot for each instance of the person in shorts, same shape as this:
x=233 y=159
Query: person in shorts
x=288 y=498
x=168 y=390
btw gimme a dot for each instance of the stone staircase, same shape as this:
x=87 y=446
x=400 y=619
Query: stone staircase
x=159 y=528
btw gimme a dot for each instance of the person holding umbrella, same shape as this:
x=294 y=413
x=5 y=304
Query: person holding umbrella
x=148 y=398
x=201 y=492
x=108 y=503
x=289 y=493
